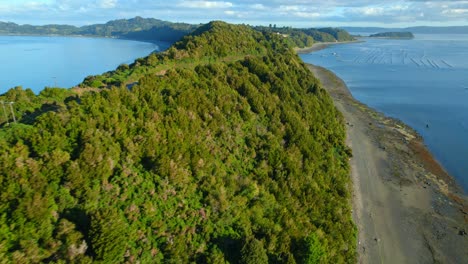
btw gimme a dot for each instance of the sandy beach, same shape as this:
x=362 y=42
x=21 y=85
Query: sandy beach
x=322 y=45
x=406 y=207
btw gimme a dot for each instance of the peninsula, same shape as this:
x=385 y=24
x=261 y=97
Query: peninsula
x=224 y=148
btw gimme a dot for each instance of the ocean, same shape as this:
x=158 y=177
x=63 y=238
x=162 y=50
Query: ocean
x=39 y=61
x=423 y=82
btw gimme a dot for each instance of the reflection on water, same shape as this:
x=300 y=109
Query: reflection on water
x=35 y=62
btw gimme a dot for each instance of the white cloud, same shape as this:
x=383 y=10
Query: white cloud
x=456 y=11
x=372 y=11
x=205 y=4
x=107 y=3
x=306 y=15
x=284 y=12
x=257 y=7
x=290 y=8
x=236 y=14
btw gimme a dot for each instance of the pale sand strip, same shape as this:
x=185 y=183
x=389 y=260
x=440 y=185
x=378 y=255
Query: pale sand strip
x=406 y=207
x=322 y=45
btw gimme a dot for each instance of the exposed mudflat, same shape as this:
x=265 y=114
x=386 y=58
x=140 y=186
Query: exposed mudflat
x=406 y=207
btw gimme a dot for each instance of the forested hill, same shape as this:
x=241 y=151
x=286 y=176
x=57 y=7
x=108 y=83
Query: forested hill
x=225 y=149
x=394 y=35
x=305 y=37
x=137 y=28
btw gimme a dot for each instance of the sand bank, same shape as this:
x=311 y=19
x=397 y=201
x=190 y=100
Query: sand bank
x=406 y=207
x=322 y=45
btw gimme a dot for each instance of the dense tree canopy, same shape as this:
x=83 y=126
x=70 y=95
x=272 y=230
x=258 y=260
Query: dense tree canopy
x=217 y=153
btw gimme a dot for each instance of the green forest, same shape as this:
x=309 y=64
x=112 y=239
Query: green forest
x=222 y=149
x=299 y=37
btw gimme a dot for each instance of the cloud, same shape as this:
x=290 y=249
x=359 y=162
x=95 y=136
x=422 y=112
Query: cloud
x=107 y=3
x=237 y=14
x=291 y=8
x=410 y=11
x=204 y=4
x=306 y=15
x=257 y=7
x=371 y=11
x=455 y=12
x=281 y=12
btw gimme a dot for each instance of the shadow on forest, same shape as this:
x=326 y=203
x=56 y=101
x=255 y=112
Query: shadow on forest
x=230 y=247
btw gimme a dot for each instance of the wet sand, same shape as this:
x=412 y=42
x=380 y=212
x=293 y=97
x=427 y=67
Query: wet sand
x=405 y=205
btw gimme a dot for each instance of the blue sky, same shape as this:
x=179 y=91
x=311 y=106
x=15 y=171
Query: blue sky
x=301 y=13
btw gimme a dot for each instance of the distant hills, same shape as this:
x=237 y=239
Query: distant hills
x=137 y=28
x=415 y=30
x=150 y=29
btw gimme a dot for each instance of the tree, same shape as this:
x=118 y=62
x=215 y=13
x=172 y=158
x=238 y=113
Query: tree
x=253 y=252
x=109 y=236
x=314 y=251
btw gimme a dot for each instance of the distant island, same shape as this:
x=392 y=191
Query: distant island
x=393 y=35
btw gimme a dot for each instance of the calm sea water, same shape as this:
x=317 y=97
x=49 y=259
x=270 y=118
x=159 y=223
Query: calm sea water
x=36 y=61
x=423 y=82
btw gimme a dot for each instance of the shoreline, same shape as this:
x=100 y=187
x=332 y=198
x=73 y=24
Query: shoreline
x=323 y=45
x=406 y=207
x=155 y=42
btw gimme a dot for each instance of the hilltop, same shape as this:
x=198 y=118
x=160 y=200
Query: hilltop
x=224 y=148
x=197 y=48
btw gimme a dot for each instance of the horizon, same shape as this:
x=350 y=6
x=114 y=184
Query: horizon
x=296 y=13
x=323 y=26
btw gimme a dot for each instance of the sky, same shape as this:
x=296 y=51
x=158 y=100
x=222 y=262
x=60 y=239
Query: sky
x=297 y=13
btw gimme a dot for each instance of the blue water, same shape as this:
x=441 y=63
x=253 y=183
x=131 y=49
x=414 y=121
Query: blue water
x=422 y=82
x=37 y=61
